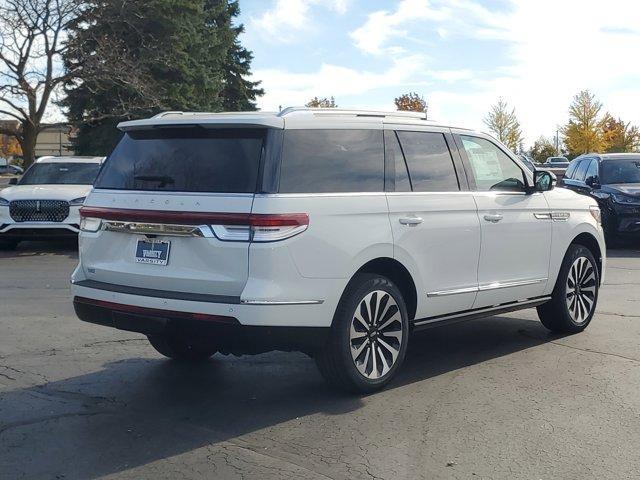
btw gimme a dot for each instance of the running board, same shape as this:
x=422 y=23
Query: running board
x=478 y=313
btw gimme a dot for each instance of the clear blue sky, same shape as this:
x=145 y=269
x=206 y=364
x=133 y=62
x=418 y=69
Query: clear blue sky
x=460 y=54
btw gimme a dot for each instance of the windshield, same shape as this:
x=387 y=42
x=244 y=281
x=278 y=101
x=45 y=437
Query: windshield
x=620 y=171
x=55 y=173
x=191 y=159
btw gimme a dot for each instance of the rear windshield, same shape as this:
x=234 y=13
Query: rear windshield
x=60 y=174
x=193 y=159
x=620 y=171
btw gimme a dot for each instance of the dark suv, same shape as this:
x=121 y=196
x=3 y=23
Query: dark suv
x=613 y=179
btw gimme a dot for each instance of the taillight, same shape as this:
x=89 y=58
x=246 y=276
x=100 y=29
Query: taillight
x=263 y=228
x=229 y=227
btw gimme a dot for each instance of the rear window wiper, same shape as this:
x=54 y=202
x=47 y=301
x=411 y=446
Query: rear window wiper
x=164 y=180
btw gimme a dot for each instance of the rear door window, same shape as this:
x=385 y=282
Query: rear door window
x=332 y=161
x=429 y=161
x=193 y=159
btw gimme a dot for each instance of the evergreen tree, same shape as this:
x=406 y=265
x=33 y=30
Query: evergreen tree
x=135 y=58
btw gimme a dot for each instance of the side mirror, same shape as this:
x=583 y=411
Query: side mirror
x=544 y=181
x=593 y=182
x=13 y=181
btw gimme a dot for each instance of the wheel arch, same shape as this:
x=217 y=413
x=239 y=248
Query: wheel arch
x=590 y=242
x=398 y=274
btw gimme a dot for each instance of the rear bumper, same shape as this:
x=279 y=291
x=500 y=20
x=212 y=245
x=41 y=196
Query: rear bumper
x=224 y=331
x=269 y=313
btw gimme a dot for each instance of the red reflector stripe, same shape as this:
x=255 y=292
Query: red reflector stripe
x=155 y=312
x=197 y=218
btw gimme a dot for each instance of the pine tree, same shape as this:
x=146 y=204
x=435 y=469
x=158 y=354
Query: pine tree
x=504 y=124
x=135 y=58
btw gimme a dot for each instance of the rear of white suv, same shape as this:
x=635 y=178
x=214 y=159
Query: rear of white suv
x=331 y=232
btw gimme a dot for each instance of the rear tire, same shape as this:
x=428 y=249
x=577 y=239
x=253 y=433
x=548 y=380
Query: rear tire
x=179 y=348
x=369 y=336
x=575 y=295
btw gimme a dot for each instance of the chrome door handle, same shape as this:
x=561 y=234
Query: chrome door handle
x=493 y=218
x=411 y=220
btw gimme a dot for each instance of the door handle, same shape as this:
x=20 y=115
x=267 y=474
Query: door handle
x=411 y=220
x=493 y=218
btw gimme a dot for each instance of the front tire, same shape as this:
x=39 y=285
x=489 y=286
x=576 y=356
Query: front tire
x=369 y=336
x=179 y=348
x=575 y=296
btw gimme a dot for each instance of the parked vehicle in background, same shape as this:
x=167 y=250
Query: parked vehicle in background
x=10 y=169
x=613 y=180
x=333 y=232
x=45 y=203
x=556 y=165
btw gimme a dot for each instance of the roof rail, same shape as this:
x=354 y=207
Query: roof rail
x=351 y=112
x=209 y=114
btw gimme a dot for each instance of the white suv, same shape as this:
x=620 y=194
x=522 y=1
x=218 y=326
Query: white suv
x=45 y=203
x=333 y=232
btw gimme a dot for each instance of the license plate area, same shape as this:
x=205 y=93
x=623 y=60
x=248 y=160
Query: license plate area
x=152 y=252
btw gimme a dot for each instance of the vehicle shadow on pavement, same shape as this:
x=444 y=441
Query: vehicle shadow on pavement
x=136 y=411
x=67 y=248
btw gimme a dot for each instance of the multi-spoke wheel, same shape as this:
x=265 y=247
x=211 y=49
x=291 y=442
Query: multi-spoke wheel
x=376 y=334
x=575 y=295
x=581 y=289
x=368 y=337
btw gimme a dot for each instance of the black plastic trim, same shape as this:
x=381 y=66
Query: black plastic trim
x=151 y=292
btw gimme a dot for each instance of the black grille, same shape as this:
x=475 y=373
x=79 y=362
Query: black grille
x=39 y=210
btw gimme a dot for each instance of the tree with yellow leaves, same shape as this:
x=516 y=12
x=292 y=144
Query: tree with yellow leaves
x=411 y=102
x=9 y=147
x=618 y=136
x=584 y=132
x=504 y=124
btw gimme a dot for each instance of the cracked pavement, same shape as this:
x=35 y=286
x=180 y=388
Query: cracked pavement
x=496 y=398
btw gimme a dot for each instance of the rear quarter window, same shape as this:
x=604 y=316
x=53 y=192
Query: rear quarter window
x=332 y=161
x=194 y=159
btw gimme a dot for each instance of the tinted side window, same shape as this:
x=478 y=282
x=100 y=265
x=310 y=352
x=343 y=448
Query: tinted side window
x=592 y=171
x=429 y=160
x=581 y=170
x=326 y=161
x=491 y=167
x=571 y=169
x=395 y=158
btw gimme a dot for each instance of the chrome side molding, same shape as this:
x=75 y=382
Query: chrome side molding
x=486 y=286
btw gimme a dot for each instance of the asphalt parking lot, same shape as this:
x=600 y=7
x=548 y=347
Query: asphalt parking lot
x=495 y=398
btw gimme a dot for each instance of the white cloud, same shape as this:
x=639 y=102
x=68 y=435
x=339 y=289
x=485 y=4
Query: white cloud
x=551 y=56
x=287 y=89
x=286 y=18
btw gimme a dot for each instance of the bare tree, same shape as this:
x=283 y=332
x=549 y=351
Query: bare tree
x=31 y=44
